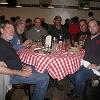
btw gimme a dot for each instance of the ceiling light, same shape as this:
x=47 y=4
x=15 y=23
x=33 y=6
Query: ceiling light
x=51 y=7
x=18 y=6
x=85 y=8
x=4 y=2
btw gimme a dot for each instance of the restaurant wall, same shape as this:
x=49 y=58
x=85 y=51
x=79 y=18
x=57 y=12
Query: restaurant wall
x=48 y=14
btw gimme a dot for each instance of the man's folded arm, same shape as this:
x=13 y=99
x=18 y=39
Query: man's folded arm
x=8 y=71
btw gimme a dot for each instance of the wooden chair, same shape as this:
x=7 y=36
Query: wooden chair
x=26 y=88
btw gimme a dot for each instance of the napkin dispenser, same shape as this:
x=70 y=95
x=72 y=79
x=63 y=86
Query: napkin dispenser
x=48 y=41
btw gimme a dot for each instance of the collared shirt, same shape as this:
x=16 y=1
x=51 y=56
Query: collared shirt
x=35 y=35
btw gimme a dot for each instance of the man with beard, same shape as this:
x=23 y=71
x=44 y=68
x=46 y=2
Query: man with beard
x=12 y=60
x=90 y=61
x=19 y=40
x=84 y=32
x=57 y=30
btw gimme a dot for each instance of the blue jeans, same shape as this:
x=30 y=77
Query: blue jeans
x=40 y=80
x=79 y=79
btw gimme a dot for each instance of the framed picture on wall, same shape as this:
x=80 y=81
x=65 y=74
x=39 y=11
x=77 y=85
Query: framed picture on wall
x=84 y=4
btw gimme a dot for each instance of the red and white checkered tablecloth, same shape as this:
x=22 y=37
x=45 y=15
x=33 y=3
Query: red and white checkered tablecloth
x=58 y=65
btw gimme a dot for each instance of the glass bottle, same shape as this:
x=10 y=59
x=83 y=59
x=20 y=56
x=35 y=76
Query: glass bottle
x=54 y=44
x=60 y=42
x=65 y=45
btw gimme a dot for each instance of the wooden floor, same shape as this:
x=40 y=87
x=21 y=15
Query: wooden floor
x=55 y=92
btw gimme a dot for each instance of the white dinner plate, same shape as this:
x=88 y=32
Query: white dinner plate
x=37 y=49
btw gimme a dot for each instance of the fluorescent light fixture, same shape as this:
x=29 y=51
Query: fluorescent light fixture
x=51 y=7
x=3 y=2
x=85 y=8
x=18 y=6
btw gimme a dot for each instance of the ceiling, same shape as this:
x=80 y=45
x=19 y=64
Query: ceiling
x=56 y=3
x=48 y=1
x=33 y=1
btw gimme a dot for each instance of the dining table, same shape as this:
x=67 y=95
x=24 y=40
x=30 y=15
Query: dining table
x=59 y=64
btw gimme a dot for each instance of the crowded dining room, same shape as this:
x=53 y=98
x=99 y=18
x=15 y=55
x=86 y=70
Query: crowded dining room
x=49 y=49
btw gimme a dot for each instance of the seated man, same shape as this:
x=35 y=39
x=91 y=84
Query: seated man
x=58 y=31
x=10 y=57
x=19 y=40
x=84 y=32
x=91 y=59
x=37 y=32
x=4 y=70
x=5 y=78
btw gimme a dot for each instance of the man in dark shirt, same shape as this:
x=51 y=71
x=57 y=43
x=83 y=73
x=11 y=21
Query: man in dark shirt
x=10 y=57
x=19 y=41
x=58 y=29
x=91 y=59
x=82 y=35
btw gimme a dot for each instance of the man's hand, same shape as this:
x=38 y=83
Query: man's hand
x=2 y=64
x=27 y=71
x=92 y=66
x=27 y=43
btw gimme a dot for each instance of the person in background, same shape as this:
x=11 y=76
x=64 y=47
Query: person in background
x=19 y=40
x=44 y=24
x=13 y=20
x=29 y=24
x=67 y=21
x=90 y=61
x=84 y=32
x=74 y=28
x=58 y=30
x=12 y=60
x=2 y=18
x=37 y=32
x=90 y=16
x=17 y=18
